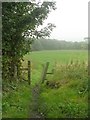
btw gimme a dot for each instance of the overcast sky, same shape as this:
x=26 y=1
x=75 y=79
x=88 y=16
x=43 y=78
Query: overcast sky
x=71 y=20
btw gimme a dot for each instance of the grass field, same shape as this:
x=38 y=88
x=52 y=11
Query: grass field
x=61 y=56
x=57 y=55
x=63 y=95
x=38 y=58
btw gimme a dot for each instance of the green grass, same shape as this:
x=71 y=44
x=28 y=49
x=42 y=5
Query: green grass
x=16 y=102
x=39 y=58
x=67 y=100
x=55 y=56
x=66 y=95
x=62 y=56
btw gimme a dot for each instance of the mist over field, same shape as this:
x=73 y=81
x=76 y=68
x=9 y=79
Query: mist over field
x=52 y=44
x=44 y=59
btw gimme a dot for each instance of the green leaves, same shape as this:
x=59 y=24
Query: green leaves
x=19 y=21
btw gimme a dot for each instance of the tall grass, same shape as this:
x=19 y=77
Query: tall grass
x=16 y=101
x=62 y=56
x=65 y=94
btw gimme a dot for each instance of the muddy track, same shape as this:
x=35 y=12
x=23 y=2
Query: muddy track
x=35 y=102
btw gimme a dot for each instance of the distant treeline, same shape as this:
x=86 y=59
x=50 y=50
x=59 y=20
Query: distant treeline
x=52 y=44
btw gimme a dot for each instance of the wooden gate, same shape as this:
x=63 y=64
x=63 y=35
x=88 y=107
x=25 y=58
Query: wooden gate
x=28 y=69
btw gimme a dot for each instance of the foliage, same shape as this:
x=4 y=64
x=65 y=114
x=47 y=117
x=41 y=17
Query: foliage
x=19 y=21
x=55 y=56
x=69 y=98
x=16 y=101
x=51 y=44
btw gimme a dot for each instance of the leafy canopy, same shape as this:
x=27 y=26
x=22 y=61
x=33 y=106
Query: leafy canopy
x=19 y=21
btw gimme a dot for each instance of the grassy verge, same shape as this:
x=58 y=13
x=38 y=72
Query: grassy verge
x=16 y=102
x=65 y=94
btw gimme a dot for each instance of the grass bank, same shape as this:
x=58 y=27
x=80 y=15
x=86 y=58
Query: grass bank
x=65 y=94
x=16 y=101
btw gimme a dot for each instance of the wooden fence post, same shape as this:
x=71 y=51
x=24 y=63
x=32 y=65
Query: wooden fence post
x=44 y=72
x=29 y=75
x=16 y=73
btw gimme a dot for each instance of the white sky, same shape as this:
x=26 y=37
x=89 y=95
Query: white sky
x=71 y=20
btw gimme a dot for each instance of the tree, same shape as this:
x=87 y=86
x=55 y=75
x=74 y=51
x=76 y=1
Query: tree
x=52 y=44
x=19 y=21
